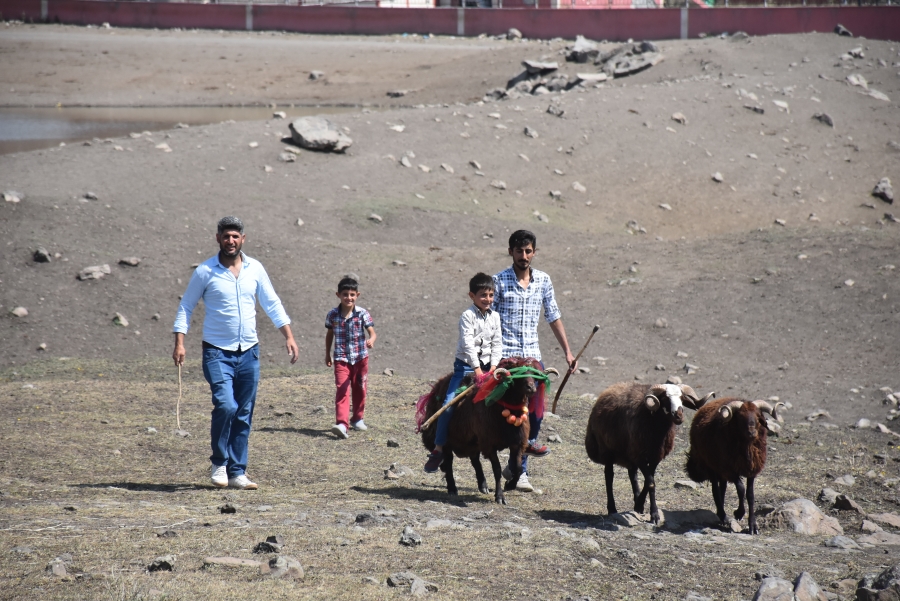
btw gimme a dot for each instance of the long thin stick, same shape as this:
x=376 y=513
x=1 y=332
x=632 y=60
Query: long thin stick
x=178 y=404
x=568 y=372
x=446 y=406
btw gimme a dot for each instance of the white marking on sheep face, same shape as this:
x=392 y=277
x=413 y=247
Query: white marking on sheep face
x=674 y=394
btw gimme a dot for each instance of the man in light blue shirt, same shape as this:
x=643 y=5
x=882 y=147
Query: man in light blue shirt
x=229 y=284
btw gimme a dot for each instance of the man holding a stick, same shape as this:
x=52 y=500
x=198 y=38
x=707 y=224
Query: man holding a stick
x=520 y=293
x=229 y=284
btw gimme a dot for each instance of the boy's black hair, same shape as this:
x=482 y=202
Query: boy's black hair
x=481 y=281
x=522 y=238
x=348 y=282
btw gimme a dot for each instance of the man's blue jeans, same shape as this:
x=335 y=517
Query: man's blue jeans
x=233 y=377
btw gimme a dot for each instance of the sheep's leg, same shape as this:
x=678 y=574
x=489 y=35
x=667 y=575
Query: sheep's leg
x=649 y=473
x=635 y=489
x=447 y=468
x=610 y=501
x=741 y=492
x=499 y=497
x=718 y=490
x=479 y=475
x=751 y=506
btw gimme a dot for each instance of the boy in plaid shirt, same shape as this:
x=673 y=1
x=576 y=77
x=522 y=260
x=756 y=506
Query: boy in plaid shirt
x=347 y=326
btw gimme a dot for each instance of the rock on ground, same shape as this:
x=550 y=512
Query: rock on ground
x=803 y=517
x=318 y=133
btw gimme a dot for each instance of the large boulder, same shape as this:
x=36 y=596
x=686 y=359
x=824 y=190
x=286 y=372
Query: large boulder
x=885 y=587
x=318 y=133
x=774 y=589
x=803 y=517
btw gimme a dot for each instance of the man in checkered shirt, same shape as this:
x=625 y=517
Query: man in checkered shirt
x=520 y=293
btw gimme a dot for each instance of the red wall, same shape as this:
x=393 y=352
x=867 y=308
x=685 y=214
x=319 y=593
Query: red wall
x=877 y=22
x=880 y=23
x=352 y=19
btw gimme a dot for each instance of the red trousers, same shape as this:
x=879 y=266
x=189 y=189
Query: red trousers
x=351 y=381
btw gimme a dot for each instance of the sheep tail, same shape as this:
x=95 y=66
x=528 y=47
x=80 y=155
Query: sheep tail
x=695 y=470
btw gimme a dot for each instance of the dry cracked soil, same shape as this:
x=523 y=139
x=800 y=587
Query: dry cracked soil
x=778 y=281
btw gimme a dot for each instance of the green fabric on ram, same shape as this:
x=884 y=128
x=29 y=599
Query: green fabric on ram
x=516 y=373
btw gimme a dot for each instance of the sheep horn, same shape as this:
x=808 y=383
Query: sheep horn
x=500 y=372
x=705 y=399
x=773 y=411
x=551 y=370
x=727 y=411
x=652 y=403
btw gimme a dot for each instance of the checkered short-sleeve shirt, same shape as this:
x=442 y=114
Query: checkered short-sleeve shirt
x=349 y=334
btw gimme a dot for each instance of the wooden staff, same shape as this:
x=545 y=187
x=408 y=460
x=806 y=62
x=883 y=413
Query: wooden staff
x=446 y=406
x=569 y=371
x=178 y=403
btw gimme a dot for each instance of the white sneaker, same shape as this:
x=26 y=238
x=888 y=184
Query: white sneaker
x=523 y=485
x=360 y=425
x=340 y=431
x=219 y=476
x=242 y=482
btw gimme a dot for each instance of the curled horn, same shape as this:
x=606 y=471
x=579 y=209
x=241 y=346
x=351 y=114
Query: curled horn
x=773 y=411
x=551 y=370
x=652 y=398
x=501 y=373
x=727 y=411
x=689 y=397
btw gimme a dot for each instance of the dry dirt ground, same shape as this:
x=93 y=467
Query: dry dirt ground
x=806 y=309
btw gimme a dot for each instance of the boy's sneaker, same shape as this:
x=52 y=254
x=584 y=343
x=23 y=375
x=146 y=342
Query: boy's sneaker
x=537 y=451
x=434 y=462
x=360 y=425
x=340 y=430
x=219 y=475
x=242 y=482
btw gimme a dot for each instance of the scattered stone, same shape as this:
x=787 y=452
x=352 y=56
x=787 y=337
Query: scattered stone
x=447 y=168
x=855 y=79
x=499 y=184
x=679 y=118
x=881 y=538
x=20 y=312
x=717 y=177
x=845 y=480
x=686 y=484
x=314 y=75
x=401 y=579
x=555 y=110
x=475 y=164
x=318 y=133
x=164 y=563
x=397 y=263
x=845 y=503
x=774 y=589
x=272 y=544
x=863 y=423
x=41 y=255
x=582 y=51
x=782 y=105
x=756 y=109
x=231 y=562
x=282 y=567
x=13 y=196
x=690 y=368
x=94 y=272
x=388 y=371
x=287 y=157
x=888 y=519
x=513 y=34
x=692 y=596
x=130 y=261
x=228 y=508
x=279 y=115
x=824 y=118
x=628 y=518
x=806 y=589
x=841 y=542
x=397 y=93
x=392 y=442
x=410 y=538
x=884 y=190
x=856 y=52
x=870 y=527
x=828 y=496
x=151 y=430
x=420 y=588
x=425 y=168
x=841 y=30
x=554 y=438
x=591 y=78
x=57 y=567
x=803 y=517
x=661 y=323
x=376 y=218
x=537 y=67
x=530 y=132
x=665 y=206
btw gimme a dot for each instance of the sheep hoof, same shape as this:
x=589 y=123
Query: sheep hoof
x=484 y=488
x=501 y=500
x=655 y=519
x=754 y=529
x=739 y=514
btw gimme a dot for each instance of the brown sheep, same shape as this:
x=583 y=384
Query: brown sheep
x=633 y=425
x=728 y=444
x=477 y=429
